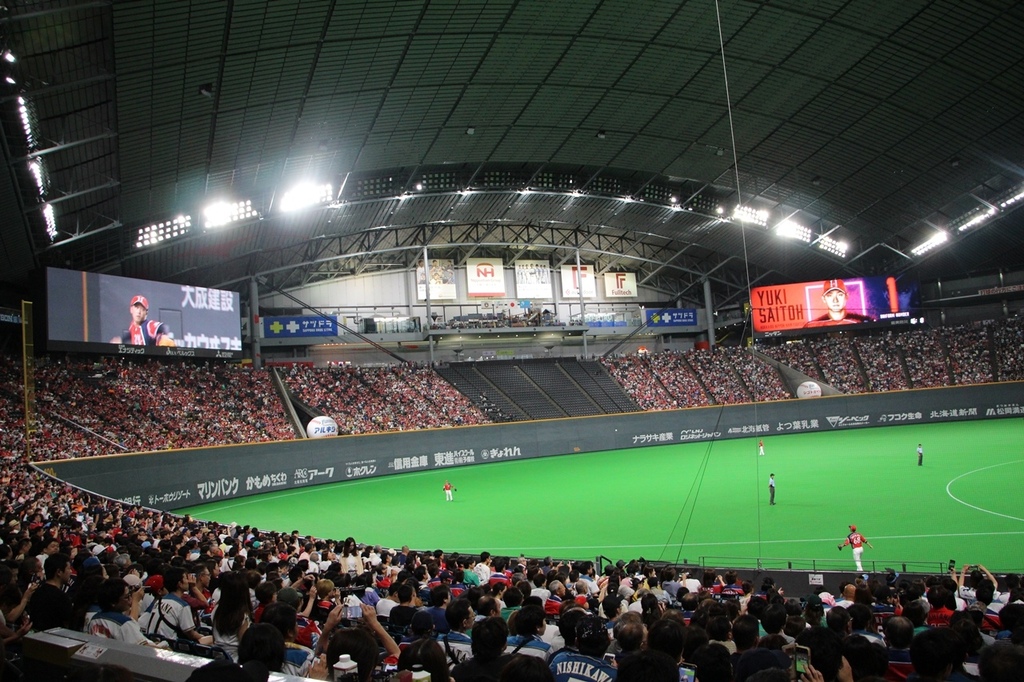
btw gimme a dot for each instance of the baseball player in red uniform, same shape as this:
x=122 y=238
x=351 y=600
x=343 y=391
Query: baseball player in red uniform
x=448 y=491
x=857 y=541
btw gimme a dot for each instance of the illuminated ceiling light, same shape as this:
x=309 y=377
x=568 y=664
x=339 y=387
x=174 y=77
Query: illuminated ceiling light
x=793 y=230
x=419 y=186
x=179 y=226
x=833 y=246
x=10 y=80
x=27 y=117
x=719 y=210
x=39 y=173
x=746 y=214
x=222 y=213
x=51 y=222
x=628 y=200
x=975 y=219
x=305 y=195
x=938 y=239
x=1012 y=200
x=526 y=191
x=9 y=57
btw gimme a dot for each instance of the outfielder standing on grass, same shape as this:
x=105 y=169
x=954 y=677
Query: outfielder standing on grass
x=857 y=541
x=448 y=491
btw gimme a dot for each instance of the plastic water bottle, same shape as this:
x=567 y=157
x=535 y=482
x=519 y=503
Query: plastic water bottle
x=346 y=668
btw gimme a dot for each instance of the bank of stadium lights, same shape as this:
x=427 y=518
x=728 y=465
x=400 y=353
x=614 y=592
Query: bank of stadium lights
x=1010 y=201
x=937 y=239
x=746 y=214
x=39 y=173
x=306 y=195
x=833 y=246
x=51 y=222
x=975 y=219
x=793 y=230
x=27 y=122
x=223 y=213
x=162 y=231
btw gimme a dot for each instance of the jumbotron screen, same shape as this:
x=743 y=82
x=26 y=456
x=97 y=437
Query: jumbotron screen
x=90 y=312
x=834 y=304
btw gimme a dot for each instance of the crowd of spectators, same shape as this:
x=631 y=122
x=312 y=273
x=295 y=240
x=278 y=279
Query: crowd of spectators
x=1009 y=348
x=283 y=602
x=376 y=399
x=838 y=361
x=796 y=354
x=925 y=359
x=761 y=379
x=717 y=371
x=636 y=375
x=109 y=405
x=882 y=363
x=112 y=548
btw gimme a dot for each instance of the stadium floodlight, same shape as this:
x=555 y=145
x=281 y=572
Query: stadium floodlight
x=51 y=222
x=746 y=214
x=793 y=230
x=833 y=246
x=9 y=57
x=27 y=121
x=305 y=195
x=223 y=212
x=937 y=239
x=976 y=218
x=167 y=229
x=1009 y=201
x=39 y=173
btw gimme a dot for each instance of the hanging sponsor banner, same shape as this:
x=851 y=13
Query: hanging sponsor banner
x=485 y=277
x=574 y=278
x=533 y=279
x=619 y=284
x=299 y=326
x=671 y=317
x=442 y=280
x=824 y=305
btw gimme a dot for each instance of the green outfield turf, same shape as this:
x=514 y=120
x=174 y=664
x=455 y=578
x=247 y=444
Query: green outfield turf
x=700 y=502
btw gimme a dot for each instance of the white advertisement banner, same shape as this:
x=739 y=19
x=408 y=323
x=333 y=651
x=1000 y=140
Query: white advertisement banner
x=442 y=280
x=533 y=279
x=485 y=277
x=619 y=284
x=574 y=278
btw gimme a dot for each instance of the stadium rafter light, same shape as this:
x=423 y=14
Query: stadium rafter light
x=833 y=246
x=223 y=212
x=793 y=230
x=976 y=218
x=746 y=214
x=9 y=57
x=27 y=116
x=51 y=222
x=1010 y=201
x=305 y=195
x=937 y=239
x=148 y=235
x=39 y=173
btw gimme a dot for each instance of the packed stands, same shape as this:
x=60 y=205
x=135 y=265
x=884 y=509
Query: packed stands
x=377 y=399
x=797 y=355
x=1009 y=349
x=970 y=359
x=882 y=363
x=925 y=359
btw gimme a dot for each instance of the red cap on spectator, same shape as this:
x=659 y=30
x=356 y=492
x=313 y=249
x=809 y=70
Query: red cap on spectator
x=155 y=583
x=141 y=300
x=829 y=285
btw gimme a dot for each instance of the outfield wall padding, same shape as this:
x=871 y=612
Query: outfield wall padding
x=184 y=478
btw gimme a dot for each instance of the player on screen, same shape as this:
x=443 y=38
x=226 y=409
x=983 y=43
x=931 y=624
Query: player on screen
x=835 y=298
x=143 y=332
x=857 y=541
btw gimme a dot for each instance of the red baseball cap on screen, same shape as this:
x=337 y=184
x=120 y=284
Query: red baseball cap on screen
x=830 y=284
x=853 y=527
x=141 y=300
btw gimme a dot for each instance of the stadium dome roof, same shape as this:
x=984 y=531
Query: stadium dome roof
x=516 y=128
